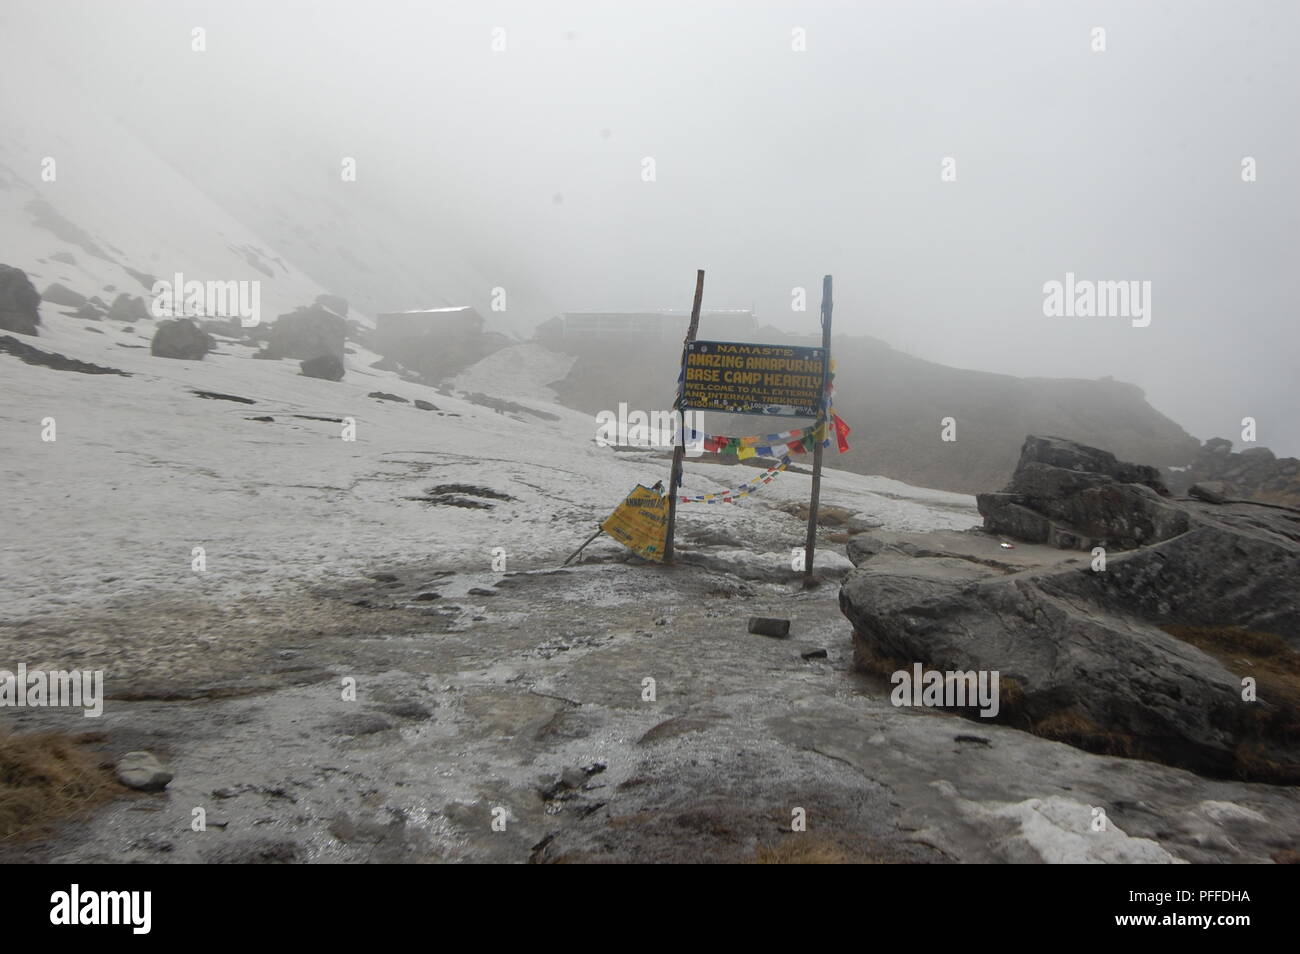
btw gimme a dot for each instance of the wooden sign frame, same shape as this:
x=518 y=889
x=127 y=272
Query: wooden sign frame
x=822 y=425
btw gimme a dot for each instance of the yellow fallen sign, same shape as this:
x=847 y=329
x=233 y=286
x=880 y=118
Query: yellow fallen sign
x=640 y=523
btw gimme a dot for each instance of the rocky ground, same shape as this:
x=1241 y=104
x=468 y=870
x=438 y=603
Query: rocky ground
x=524 y=695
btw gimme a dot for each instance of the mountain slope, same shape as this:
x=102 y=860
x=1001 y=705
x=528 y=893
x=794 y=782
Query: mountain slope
x=896 y=405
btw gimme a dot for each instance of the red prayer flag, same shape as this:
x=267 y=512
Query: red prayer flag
x=841 y=432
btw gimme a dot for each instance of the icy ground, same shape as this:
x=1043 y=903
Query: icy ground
x=328 y=561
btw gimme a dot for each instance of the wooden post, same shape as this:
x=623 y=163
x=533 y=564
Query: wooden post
x=810 y=543
x=675 y=479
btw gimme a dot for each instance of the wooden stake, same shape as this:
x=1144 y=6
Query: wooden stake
x=581 y=548
x=675 y=479
x=810 y=543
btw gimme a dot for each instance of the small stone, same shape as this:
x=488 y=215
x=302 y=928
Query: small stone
x=140 y=770
x=480 y=591
x=427 y=597
x=769 y=626
x=814 y=654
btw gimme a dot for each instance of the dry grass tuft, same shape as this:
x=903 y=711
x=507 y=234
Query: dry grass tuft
x=45 y=776
x=807 y=850
x=1275 y=667
x=1074 y=728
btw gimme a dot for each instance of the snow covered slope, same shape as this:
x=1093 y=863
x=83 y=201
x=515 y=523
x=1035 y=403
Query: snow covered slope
x=143 y=470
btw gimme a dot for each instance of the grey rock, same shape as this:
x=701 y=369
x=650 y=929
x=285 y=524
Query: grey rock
x=862 y=548
x=180 y=338
x=325 y=366
x=129 y=308
x=1261 y=454
x=1255 y=473
x=1089 y=647
x=767 y=626
x=1211 y=491
x=307 y=333
x=19 y=302
x=1077 y=497
x=140 y=770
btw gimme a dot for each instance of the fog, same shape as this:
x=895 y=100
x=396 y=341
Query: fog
x=525 y=167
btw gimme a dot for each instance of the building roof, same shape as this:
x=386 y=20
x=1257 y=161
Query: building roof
x=429 y=311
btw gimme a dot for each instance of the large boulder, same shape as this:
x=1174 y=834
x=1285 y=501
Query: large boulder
x=325 y=366
x=307 y=333
x=129 y=308
x=180 y=338
x=20 y=302
x=1142 y=653
x=1253 y=474
x=1078 y=497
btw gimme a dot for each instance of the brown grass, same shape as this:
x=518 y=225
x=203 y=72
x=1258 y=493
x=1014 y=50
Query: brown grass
x=867 y=660
x=807 y=850
x=1074 y=728
x=46 y=776
x=1243 y=652
x=1276 y=669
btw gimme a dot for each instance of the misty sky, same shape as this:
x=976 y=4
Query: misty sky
x=775 y=166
